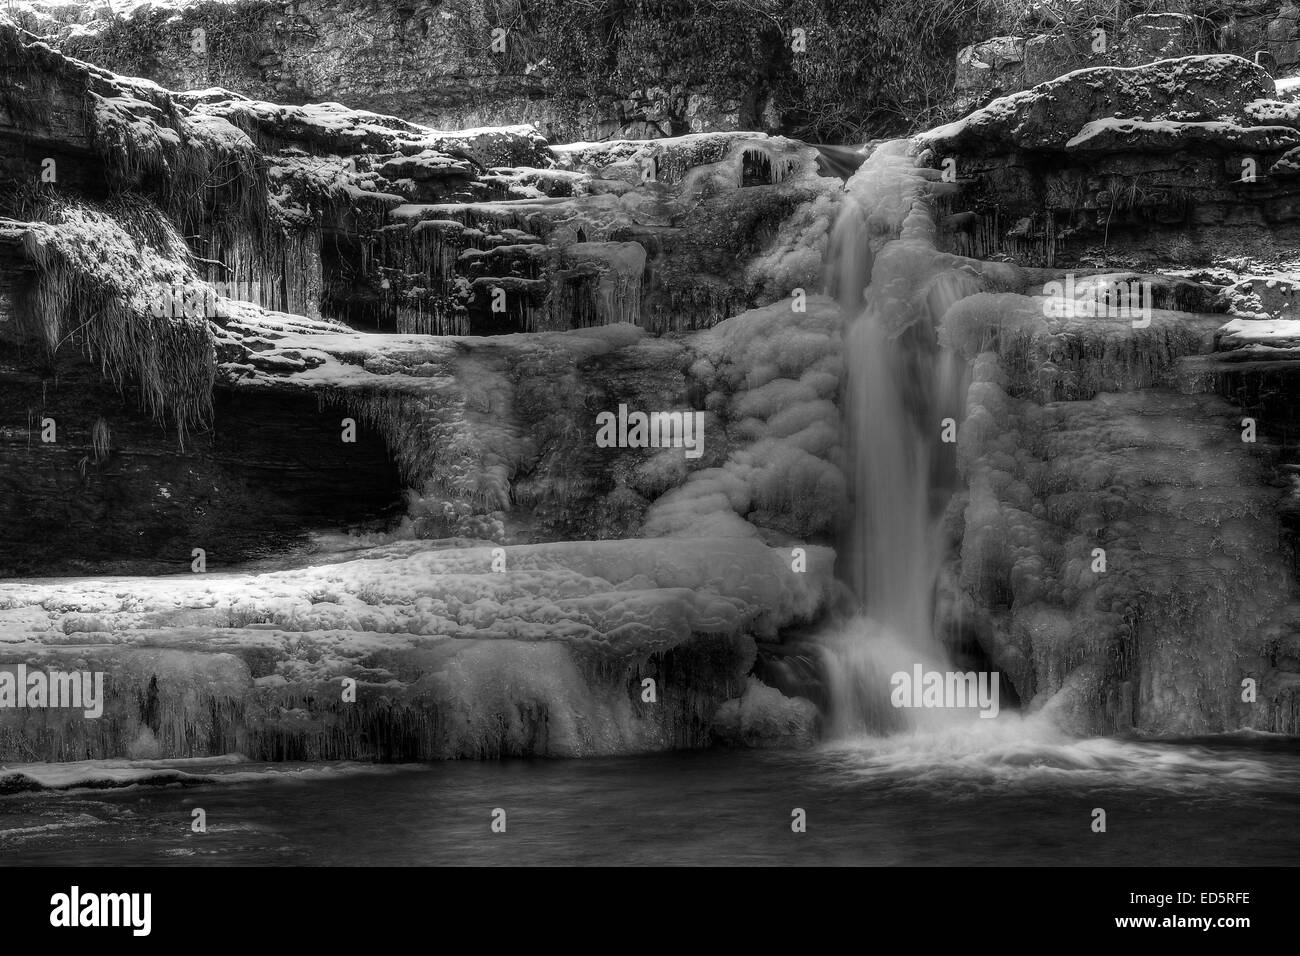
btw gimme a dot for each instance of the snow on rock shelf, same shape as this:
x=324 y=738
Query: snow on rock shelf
x=451 y=657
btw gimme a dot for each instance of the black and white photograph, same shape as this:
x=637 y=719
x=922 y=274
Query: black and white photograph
x=652 y=433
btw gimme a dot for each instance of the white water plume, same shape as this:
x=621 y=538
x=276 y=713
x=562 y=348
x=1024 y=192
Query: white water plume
x=905 y=396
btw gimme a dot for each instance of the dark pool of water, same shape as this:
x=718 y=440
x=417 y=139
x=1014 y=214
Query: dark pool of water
x=986 y=798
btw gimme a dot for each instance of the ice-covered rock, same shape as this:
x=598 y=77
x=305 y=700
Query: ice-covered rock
x=569 y=649
x=764 y=717
x=324 y=212
x=1118 y=545
x=498 y=434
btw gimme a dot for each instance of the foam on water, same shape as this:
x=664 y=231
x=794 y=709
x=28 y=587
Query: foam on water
x=965 y=756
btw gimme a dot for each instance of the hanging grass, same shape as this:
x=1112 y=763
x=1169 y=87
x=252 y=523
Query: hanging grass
x=101 y=440
x=221 y=192
x=209 y=176
x=100 y=273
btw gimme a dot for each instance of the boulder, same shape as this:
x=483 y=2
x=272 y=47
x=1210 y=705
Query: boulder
x=1050 y=55
x=994 y=66
x=1282 y=36
x=1159 y=36
x=1197 y=89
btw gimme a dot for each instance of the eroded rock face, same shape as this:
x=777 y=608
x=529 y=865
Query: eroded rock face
x=1140 y=40
x=993 y=67
x=114 y=494
x=1153 y=164
x=1258 y=31
x=1160 y=36
x=427 y=61
x=652 y=238
x=1185 y=90
x=413 y=60
x=674 y=234
x=1046 y=57
x=327 y=211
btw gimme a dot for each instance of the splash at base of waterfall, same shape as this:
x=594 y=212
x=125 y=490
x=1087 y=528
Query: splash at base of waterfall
x=963 y=758
x=859 y=659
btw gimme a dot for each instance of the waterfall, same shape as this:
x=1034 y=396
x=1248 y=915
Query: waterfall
x=901 y=390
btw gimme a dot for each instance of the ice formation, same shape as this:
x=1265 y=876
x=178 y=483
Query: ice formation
x=451 y=657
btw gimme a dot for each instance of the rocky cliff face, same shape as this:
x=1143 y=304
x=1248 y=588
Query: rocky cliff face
x=393 y=228
x=1194 y=170
x=1053 y=42
x=576 y=71
x=112 y=492
x=1125 y=536
x=253 y=286
x=425 y=61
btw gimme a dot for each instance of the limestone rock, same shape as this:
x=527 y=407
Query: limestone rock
x=994 y=66
x=1050 y=55
x=1159 y=36
x=1189 y=151
x=1190 y=89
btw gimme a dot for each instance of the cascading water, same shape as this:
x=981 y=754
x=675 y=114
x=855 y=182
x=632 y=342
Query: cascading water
x=902 y=385
x=901 y=389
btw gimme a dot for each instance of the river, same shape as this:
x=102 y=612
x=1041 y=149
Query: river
x=1007 y=794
